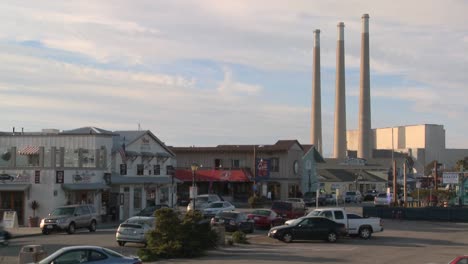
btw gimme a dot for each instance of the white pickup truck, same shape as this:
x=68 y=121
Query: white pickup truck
x=355 y=224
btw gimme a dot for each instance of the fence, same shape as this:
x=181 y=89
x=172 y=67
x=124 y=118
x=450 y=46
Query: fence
x=451 y=214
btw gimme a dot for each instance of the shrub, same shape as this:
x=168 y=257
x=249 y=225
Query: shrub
x=174 y=237
x=239 y=237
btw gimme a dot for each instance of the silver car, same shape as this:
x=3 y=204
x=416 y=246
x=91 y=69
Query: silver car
x=134 y=230
x=88 y=254
x=69 y=218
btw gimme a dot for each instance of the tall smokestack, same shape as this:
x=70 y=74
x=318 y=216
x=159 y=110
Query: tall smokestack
x=316 y=132
x=340 y=102
x=364 y=98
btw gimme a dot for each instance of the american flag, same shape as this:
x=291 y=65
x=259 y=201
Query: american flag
x=122 y=153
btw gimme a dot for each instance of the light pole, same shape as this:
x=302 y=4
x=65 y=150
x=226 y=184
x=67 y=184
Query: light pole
x=194 y=168
x=310 y=183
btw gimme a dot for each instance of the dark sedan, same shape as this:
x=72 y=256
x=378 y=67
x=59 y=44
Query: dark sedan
x=265 y=218
x=234 y=221
x=309 y=228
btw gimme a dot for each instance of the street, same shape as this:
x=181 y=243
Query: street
x=401 y=242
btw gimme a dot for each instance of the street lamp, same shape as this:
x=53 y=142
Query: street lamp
x=194 y=168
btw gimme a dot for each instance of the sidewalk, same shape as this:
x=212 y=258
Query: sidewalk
x=36 y=231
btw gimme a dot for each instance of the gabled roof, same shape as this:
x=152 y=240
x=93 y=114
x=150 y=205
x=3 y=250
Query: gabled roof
x=87 y=131
x=280 y=145
x=133 y=135
x=345 y=175
x=317 y=156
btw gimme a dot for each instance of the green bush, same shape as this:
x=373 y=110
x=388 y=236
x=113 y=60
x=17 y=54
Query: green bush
x=174 y=237
x=239 y=237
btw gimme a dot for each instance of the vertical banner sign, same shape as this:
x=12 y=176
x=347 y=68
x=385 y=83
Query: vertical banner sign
x=262 y=169
x=37 y=177
x=59 y=177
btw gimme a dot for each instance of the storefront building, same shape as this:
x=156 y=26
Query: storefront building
x=269 y=170
x=56 y=168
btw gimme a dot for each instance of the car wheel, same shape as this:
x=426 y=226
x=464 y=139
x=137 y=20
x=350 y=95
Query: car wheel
x=251 y=229
x=121 y=243
x=287 y=237
x=71 y=228
x=365 y=233
x=45 y=231
x=332 y=237
x=92 y=226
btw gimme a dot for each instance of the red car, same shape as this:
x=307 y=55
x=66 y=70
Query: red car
x=459 y=260
x=265 y=218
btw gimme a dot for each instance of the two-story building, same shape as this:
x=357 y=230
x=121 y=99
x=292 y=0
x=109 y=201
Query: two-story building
x=236 y=171
x=82 y=165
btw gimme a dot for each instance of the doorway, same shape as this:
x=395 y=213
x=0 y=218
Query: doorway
x=13 y=201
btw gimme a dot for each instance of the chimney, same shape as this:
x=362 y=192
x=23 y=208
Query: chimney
x=316 y=127
x=339 y=151
x=364 y=137
x=13 y=130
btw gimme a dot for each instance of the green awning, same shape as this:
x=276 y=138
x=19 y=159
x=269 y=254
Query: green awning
x=85 y=186
x=14 y=187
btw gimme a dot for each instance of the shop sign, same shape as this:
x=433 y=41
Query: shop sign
x=37 y=176
x=450 y=178
x=10 y=219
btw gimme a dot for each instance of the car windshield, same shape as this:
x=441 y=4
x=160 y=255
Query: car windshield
x=261 y=212
x=140 y=221
x=382 y=195
x=296 y=221
x=314 y=213
x=63 y=211
x=202 y=199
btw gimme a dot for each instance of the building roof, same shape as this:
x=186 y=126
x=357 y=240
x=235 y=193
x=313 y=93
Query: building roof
x=280 y=145
x=317 y=156
x=128 y=137
x=346 y=175
x=87 y=131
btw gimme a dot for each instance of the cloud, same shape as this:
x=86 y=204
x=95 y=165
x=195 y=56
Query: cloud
x=230 y=87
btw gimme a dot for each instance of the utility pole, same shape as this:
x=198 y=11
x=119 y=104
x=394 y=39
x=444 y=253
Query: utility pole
x=395 y=189
x=404 y=185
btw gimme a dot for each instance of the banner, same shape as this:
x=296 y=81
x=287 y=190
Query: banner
x=450 y=178
x=10 y=219
x=262 y=169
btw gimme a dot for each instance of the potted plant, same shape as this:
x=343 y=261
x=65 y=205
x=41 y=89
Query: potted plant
x=34 y=220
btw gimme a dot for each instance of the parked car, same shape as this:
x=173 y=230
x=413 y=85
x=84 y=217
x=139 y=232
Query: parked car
x=297 y=200
x=265 y=218
x=88 y=254
x=460 y=260
x=289 y=210
x=134 y=230
x=355 y=224
x=383 y=199
x=69 y=218
x=310 y=198
x=234 y=221
x=150 y=210
x=309 y=228
x=353 y=197
x=370 y=195
x=215 y=207
x=202 y=201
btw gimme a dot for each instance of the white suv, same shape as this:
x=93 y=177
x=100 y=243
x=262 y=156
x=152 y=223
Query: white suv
x=353 y=196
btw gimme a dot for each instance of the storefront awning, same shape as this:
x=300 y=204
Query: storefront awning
x=214 y=175
x=29 y=150
x=163 y=155
x=85 y=186
x=14 y=187
x=130 y=153
x=143 y=179
x=147 y=154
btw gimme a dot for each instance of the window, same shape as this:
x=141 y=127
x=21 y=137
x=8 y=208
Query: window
x=75 y=256
x=218 y=164
x=85 y=210
x=47 y=157
x=123 y=169
x=71 y=157
x=274 y=164
x=88 y=158
x=235 y=164
x=339 y=215
x=157 y=169
x=58 y=156
x=95 y=256
x=137 y=199
x=140 y=169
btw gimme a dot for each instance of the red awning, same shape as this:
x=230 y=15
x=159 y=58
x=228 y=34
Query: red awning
x=29 y=150
x=213 y=175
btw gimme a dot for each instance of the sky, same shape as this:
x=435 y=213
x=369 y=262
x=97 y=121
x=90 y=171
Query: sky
x=210 y=72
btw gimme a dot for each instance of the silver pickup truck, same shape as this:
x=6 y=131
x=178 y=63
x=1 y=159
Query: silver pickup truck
x=355 y=224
